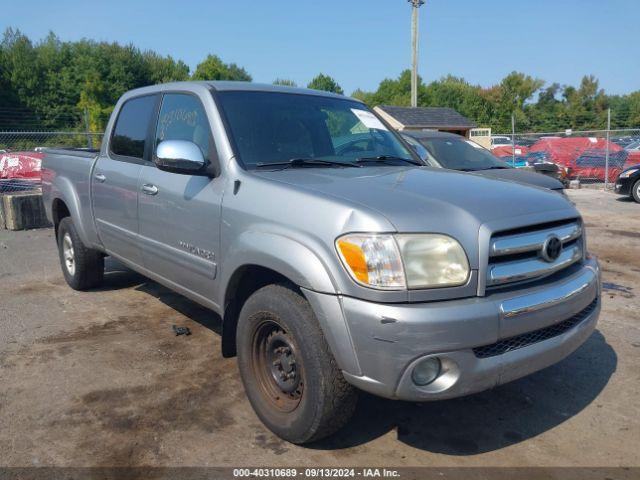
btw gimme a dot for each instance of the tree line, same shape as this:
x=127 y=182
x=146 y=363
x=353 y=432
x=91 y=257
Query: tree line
x=52 y=84
x=536 y=105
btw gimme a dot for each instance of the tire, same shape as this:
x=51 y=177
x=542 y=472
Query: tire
x=82 y=267
x=278 y=335
x=635 y=191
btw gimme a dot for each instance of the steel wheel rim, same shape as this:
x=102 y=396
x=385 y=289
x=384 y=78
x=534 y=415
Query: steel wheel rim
x=276 y=366
x=68 y=254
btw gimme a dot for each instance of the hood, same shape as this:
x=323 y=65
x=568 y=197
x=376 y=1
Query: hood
x=631 y=167
x=423 y=199
x=522 y=176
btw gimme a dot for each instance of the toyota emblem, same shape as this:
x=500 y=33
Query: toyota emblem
x=551 y=249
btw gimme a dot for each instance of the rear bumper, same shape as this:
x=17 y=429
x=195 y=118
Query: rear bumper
x=387 y=340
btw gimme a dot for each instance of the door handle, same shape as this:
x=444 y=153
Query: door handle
x=149 y=189
x=100 y=177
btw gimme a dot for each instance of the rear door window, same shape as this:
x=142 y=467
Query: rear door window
x=132 y=125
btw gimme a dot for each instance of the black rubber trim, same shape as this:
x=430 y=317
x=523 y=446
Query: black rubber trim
x=529 y=338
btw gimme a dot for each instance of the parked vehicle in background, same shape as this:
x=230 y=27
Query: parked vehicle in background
x=20 y=171
x=509 y=151
x=633 y=152
x=454 y=152
x=633 y=147
x=625 y=141
x=331 y=269
x=628 y=182
x=526 y=141
x=582 y=158
x=500 y=141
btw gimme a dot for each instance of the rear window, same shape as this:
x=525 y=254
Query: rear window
x=131 y=127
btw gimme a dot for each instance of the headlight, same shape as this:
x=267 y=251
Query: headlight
x=372 y=260
x=628 y=173
x=413 y=261
x=432 y=260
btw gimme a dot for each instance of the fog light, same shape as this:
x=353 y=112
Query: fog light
x=426 y=371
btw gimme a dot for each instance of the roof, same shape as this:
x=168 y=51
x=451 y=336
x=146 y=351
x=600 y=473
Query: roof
x=228 y=85
x=427 y=117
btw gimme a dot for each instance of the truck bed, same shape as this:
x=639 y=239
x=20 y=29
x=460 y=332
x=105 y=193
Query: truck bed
x=66 y=174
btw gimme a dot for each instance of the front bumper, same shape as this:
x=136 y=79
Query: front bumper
x=623 y=186
x=381 y=343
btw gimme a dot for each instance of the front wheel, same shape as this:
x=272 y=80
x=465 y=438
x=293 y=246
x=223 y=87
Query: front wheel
x=82 y=267
x=288 y=371
x=635 y=191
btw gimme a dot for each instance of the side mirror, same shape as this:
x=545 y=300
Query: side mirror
x=180 y=156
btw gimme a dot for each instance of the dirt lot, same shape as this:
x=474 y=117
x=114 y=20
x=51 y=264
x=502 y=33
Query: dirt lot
x=100 y=379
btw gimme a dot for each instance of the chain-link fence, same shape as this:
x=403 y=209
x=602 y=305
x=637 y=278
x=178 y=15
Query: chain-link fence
x=591 y=157
x=21 y=155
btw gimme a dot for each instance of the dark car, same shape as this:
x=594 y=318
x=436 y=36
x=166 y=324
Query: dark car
x=447 y=150
x=628 y=182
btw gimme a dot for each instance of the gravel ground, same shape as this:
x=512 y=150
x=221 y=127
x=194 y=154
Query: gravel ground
x=100 y=379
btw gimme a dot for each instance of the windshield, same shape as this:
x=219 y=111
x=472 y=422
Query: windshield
x=270 y=128
x=459 y=154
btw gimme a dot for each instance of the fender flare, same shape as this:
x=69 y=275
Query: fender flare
x=65 y=192
x=282 y=254
x=299 y=264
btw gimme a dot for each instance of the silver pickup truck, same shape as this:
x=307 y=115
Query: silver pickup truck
x=338 y=261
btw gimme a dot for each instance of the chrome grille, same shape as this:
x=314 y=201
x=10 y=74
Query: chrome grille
x=518 y=255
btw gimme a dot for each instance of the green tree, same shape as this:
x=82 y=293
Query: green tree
x=586 y=105
x=510 y=97
x=49 y=84
x=621 y=110
x=453 y=92
x=326 y=83
x=633 y=102
x=213 y=68
x=363 y=96
x=284 y=82
x=548 y=113
x=10 y=104
x=165 y=69
x=54 y=82
x=398 y=91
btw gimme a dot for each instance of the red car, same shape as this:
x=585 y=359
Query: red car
x=582 y=157
x=20 y=170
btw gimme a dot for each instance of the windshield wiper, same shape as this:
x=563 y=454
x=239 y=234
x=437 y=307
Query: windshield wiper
x=305 y=162
x=382 y=158
x=496 y=167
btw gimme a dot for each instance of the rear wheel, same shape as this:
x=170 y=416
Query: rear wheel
x=288 y=371
x=82 y=267
x=635 y=191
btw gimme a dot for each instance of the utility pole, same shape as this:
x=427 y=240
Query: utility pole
x=513 y=139
x=606 y=159
x=415 y=4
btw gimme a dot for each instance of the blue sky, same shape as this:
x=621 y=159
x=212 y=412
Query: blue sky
x=360 y=42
